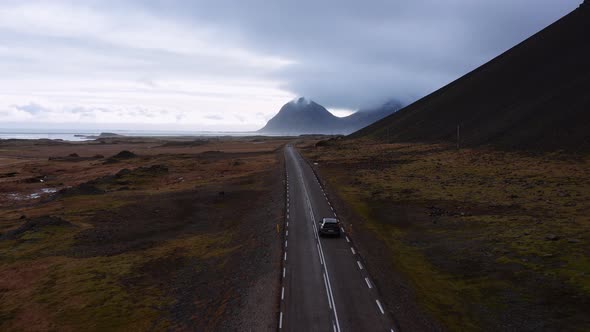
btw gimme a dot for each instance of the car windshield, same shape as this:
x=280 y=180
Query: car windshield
x=330 y=221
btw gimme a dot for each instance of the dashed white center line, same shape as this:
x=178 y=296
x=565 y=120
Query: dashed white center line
x=347 y=240
x=287 y=233
x=284 y=270
x=287 y=224
x=283 y=293
x=285 y=243
x=352 y=249
x=358 y=263
x=285 y=256
x=380 y=307
x=281 y=320
x=368 y=283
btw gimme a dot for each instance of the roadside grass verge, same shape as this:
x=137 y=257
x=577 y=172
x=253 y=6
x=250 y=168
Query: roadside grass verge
x=483 y=236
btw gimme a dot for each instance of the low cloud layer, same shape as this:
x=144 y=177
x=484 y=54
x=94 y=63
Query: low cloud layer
x=230 y=65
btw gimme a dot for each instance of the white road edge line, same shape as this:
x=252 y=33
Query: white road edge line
x=327 y=291
x=319 y=254
x=368 y=283
x=359 y=264
x=320 y=245
x=380 y=307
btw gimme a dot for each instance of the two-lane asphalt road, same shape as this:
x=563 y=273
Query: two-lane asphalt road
x=325 y=286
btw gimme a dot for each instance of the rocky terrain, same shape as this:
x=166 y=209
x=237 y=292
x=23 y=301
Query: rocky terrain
x=140 y=235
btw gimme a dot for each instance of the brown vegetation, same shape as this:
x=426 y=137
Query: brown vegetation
x=479 y=238
x=169 y=236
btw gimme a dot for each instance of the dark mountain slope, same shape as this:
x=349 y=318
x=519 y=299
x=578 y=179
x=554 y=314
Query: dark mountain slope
x=365 y=117
x=535 y=95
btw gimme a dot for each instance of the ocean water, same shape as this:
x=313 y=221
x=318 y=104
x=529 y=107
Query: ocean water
x=71 y=135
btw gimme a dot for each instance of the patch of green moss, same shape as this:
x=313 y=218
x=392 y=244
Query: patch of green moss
x=94 y=293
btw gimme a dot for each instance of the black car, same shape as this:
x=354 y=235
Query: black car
x=329 y=226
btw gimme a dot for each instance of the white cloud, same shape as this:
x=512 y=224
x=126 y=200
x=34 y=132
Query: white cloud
x=81 y=64
x=186 y=64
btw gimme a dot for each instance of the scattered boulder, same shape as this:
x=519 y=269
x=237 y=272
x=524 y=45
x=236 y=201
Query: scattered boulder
x=87 y=188
x=551 y=237
x=153 y=169
x=8 y=175
x=123 y=172
x=125 y=154
x=35 y=225
x=73 y=155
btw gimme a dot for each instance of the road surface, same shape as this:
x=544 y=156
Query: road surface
x=325 y=286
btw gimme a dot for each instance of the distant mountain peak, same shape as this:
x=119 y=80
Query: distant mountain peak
x=304 y=116
x=301 y=100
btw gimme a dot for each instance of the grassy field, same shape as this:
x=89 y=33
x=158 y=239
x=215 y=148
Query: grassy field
x=172 y=236
x=486 y=239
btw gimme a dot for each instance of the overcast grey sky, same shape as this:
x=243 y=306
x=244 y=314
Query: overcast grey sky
x=231 y=64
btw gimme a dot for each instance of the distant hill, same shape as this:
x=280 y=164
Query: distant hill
x=367 y=116
x=535 y=95
x=304 y=116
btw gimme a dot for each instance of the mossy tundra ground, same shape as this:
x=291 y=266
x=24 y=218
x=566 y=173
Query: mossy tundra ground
x=485 y=239
x=170 y=236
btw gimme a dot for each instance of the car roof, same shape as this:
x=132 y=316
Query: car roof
x=330 y=220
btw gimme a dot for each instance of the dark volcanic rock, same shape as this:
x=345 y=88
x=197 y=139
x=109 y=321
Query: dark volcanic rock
x=87 y=188
x=124 y=155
